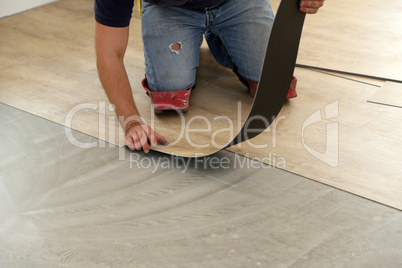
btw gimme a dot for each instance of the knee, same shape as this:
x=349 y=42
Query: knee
x=171 y=81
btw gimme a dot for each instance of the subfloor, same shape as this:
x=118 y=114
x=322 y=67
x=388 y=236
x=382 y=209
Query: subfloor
x=62 y=206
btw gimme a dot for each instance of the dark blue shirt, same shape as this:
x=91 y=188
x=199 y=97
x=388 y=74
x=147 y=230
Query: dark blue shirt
x=117 y=13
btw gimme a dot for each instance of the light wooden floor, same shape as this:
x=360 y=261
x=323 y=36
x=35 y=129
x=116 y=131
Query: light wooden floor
x=359 y=37
x=366 y=147
x=390 y=94
x=47 y=67
x=362 y=37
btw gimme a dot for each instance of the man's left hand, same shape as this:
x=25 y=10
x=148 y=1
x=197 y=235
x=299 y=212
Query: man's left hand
x=310 y=6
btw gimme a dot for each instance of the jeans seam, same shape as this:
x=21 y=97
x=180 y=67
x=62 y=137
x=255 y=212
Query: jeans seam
x=226 y=47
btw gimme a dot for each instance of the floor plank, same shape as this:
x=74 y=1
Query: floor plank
x=360 y=154
x=389 y=94
x=358 y=37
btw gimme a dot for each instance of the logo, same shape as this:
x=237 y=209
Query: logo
x=331 y=154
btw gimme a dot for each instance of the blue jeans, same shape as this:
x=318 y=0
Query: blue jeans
x=236 y=31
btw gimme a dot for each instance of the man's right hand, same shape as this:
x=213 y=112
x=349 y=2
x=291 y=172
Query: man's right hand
x=140 y=136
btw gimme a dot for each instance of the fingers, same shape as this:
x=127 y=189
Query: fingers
x=139 y=137
x=133 y=140
x=310 y=6
x=143 y=140
x=161 y=140
x=130 y=143
x=154 y=137
x=151 y=135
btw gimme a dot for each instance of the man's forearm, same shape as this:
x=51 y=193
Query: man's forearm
x=114 y=79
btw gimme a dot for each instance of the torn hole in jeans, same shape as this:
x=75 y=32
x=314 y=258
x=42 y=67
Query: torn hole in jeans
x=176 y=47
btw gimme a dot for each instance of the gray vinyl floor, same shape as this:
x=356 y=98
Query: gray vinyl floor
x=64 y=206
